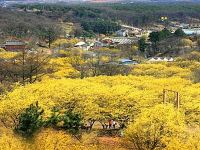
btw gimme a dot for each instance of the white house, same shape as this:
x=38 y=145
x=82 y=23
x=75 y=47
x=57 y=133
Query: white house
x=161 y=59
x=82 y=45
x=98 y=44
x=192 y=31
x=122 y=32
x=125 y=61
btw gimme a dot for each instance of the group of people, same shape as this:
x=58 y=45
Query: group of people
x=112 y=124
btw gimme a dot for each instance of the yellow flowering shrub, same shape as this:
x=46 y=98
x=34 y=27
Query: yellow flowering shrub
x=61 y=69
x=190 y=141
x=10 y=141
x=160 y=70
x=156 y=127
x=135 y=100
x=101 y=97
x=2 y=50
x=49 y=139
x=60 y=42
x=7 y=55
x=46 y=139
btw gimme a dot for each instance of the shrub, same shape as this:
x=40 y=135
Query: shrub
x=196 y=75
x=68 y=120
x=72 y=121
x=30 y=120
x=154 y=127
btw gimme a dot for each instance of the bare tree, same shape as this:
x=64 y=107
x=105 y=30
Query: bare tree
x=26 y=67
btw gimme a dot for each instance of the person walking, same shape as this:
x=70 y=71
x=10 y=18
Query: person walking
x=110 y=123
x=114 y=124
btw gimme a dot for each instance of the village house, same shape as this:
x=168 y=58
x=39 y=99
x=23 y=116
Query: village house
x=97 y=44
x=14 y=45
x=161 y=59
x=122 y=32
x=192 y=31
x=123 y=40
x=82 y=45
x=107 y=41
x=125 y=61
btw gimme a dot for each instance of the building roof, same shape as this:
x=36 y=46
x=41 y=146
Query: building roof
x=122 y=30
x=14 y=43
x=161 y=59
x=192 y=31
x=125 y=60
x=80 y=44
x=122 y=40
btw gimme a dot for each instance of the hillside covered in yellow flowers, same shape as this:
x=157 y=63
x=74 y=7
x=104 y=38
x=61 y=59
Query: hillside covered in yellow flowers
x=61 y=110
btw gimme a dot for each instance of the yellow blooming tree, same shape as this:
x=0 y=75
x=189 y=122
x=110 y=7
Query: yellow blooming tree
x=156 y=127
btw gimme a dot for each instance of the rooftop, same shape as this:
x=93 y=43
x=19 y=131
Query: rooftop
x=14 y=43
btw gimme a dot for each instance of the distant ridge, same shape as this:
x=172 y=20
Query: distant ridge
x=95 y=1
x=107 y=1
x=103 y=1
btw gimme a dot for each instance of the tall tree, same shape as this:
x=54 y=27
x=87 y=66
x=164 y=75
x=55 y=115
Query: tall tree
x=142 y=45
x=179 y=33
x=154 y=38
x=49 y=33
x=25 y=67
